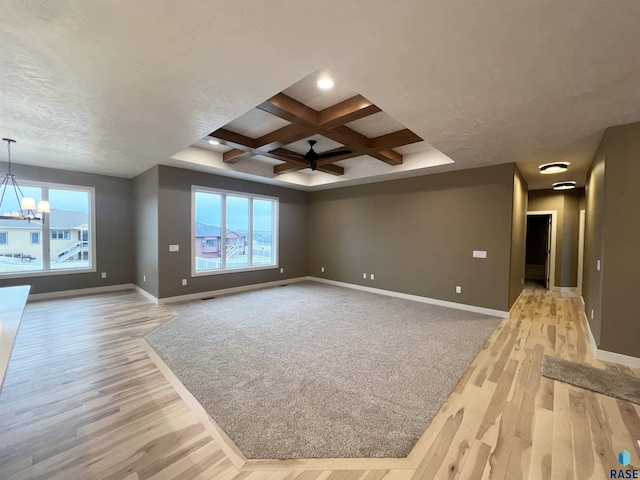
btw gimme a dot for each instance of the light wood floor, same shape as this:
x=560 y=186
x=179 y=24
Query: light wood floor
x=84 y=400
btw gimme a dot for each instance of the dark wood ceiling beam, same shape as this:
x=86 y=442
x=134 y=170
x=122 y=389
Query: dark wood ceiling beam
x=305 y=121
x=347 y=111
x=358 y=142
x=244 y=148
x=283 y=136
x=289 y=109
x=235 y=155
x=233 y=139
x=395 y=139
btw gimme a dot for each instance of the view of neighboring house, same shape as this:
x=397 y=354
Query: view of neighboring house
x=208 y=242
x=68 y=237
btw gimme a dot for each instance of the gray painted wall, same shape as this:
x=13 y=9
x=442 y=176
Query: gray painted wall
x=145 y=190
x=618 y=240
x=567 y=204
x=594 y=245
x=174 y=227
x=518 y=236
x=114 y=230
x=417 y=235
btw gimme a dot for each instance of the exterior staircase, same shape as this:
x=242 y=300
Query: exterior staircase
x=234 y=250
x=69 y=252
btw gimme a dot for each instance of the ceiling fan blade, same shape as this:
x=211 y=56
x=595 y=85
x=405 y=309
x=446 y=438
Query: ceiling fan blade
x=334 y=154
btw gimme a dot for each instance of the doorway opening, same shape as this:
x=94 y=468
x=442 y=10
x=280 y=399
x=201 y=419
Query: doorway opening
x=540 y=249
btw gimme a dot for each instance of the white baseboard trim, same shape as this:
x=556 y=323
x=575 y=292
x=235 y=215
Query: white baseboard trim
x=415 y=298
x=145 y=294
x=80 y=291
x=515 y=303
x=227 y=291
x=618 y=358
x=607 y=356
x=566 y=289
x=592 y=340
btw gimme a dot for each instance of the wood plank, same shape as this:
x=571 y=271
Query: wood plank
x=82 y=398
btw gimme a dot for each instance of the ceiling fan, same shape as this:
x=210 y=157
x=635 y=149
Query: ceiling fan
x=312 y=156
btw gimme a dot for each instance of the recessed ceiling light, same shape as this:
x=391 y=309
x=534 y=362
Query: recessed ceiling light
x=564 y=185
x=325 y=83
x=556 y=167
x=214 y=142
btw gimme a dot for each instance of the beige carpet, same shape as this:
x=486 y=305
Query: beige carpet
x=313 y=371
x=613 y=384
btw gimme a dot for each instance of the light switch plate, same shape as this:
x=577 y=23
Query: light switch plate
x=174 y=248
x=479 y=254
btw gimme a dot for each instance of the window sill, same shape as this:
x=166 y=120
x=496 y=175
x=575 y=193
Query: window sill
x=45 y=273
x=232 y=270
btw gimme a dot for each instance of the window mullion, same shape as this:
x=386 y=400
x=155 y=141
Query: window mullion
x=250 y=233
x=223 y=233
x=46 y=235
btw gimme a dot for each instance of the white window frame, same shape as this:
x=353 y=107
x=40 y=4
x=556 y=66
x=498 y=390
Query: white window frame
x=46 y=233
x=222 y=243
x=61 y=234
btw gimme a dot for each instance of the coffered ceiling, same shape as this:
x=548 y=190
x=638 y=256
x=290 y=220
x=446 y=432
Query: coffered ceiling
x=115 y=87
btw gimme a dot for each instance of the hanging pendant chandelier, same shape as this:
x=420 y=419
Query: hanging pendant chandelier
x=28 y=210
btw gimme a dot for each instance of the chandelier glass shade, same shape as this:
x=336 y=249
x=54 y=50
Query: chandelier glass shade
x=9 y=188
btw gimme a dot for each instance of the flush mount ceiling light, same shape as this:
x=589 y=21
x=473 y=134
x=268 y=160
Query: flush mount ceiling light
x=556 y=167
x=564 y=185
x=27 y=204
x=214 y=142
x=325 y=83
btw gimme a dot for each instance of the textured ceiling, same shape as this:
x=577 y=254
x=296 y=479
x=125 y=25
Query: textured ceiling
x=117 y=87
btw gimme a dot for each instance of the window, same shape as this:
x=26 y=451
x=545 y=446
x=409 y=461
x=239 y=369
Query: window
x=60 y=234
x=63 y=243
x=4 y=238
x=233 y=231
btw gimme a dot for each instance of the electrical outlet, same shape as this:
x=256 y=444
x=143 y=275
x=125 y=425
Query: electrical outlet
x=373 y=277
x=458 y=289
x=322 y=269
x=364 y=275
x=282 y=270
x=479 y=254
x=592 y=314
x=144 y=278
x=104 y=275
x=598 y=265
x=174 y=248
x=184 y=282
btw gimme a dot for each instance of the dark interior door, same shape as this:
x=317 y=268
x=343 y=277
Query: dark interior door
x=538 y=249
